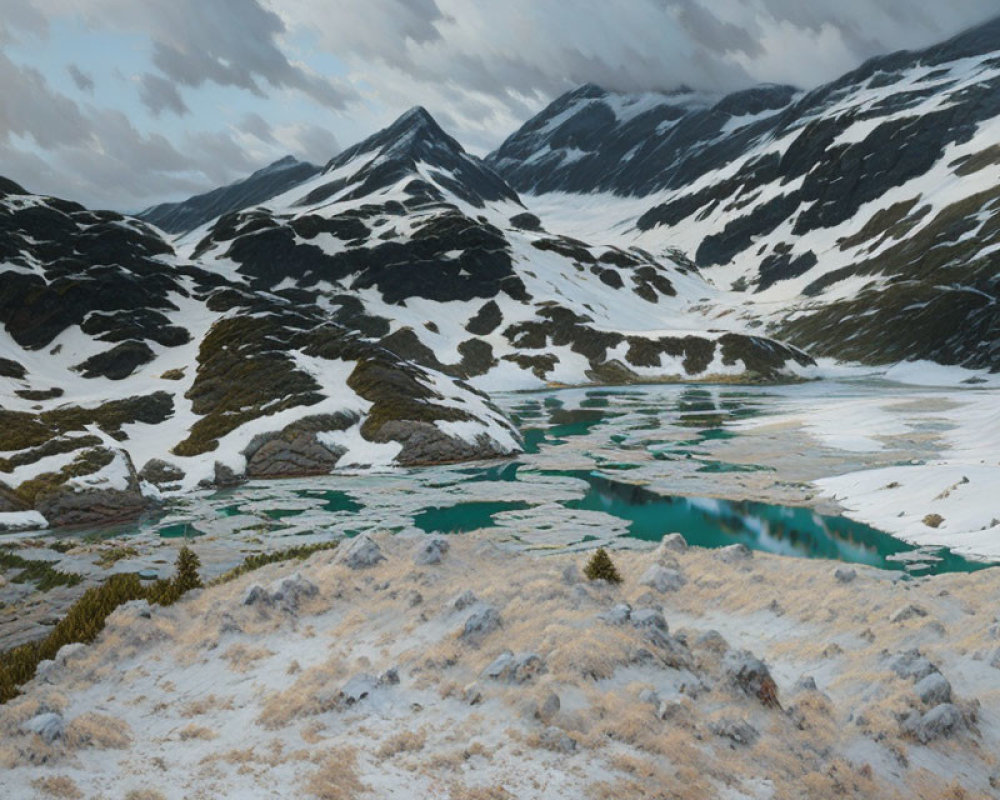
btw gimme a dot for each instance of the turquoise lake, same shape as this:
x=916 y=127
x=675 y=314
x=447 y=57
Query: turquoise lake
x=600 y=467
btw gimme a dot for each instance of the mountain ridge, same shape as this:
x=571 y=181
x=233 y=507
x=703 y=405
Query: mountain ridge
x=265 y=183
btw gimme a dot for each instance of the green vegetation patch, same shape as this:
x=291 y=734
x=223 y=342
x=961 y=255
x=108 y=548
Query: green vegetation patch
x=86 y=463
x=87 y=616
x=396 y=394
x=21 y=430
x=244 y=372
x=53 y=447
x=113 y=555
x=42 y=573
x=258 y=560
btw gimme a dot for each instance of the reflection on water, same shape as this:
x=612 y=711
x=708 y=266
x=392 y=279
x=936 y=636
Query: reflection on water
x=572 y=485
x=711 y=522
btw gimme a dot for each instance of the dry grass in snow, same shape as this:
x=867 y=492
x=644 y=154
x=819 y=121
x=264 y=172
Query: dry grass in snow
x=500 y=675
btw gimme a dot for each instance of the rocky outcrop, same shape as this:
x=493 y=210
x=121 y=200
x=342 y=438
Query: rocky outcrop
x=296 y=450
x=424 y=443
x=73 y=503
x=161 y=473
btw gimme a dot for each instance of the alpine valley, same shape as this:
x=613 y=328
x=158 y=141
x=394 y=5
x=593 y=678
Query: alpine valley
x=654 y=454
x=361 y=314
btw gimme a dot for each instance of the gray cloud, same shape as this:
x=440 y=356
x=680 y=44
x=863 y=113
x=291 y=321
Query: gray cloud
x=224 y=42
x=315 y=144
x=82 y=80
x=29 y=108
x=481 y=67
x=159 y=95
x=255 y=125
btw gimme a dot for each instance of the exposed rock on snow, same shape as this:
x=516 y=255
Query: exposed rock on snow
x=736 y=730
x=662 y=579
x=751 y=675
x=431 y=551
x=361 y=552
x=909 y=611
x=670 y=544
x=285 y=593
x=844 y=574
x=511 y=668
x=481 y=624
x=943 y=720
x=933 y=689
x=734 y=553
x=161 y=473
x=49 y=725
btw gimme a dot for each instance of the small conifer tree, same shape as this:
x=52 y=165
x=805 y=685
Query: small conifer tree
x=186 y=577
x=601 y=567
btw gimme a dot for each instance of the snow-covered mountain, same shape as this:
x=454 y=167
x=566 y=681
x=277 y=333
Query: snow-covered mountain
x=265 y=183
x=356 y=314
x=424 y=248
x=332 y=324
x=127 y=368
x=858 y=219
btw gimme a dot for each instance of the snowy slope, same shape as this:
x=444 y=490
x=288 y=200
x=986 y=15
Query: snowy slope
x=125 y=368
x=258 y=187
x=423 y=248
x=864 y=207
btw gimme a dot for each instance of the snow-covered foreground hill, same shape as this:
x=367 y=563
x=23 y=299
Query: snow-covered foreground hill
x=414 y=667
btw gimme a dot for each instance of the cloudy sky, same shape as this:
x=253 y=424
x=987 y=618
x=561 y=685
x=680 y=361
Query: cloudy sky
x=123 y=103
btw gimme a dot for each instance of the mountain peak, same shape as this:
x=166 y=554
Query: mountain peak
x=418 y=115
x=392 y=154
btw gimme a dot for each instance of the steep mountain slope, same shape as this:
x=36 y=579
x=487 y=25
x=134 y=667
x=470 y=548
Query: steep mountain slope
x=860 y=219
x=423 y=248
x=333 y=324
x=117 y=354
x=260 y=186
x=595 y=140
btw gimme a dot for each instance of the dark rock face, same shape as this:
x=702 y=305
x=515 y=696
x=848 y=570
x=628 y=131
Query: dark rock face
x=296 y=450
x=69 y=505
x=258 y=188
x=11 y=369
x=161 y=473
x=81 y=262
x=424 y=443
x=635 y=155
x=117 y=363
x=449 y=257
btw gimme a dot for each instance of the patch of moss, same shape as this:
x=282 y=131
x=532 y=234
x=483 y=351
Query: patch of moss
x=977 y=161
x=113 y=555
x=881 y=221
x=258 y=560
x=763 y=359
x=150 y=409
x=86 y=463
x=396 y=394
x=38 y=395
x=540 y=365
x=41 y=573
x=19 y=430
x=244 y=372
x=52 y=447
